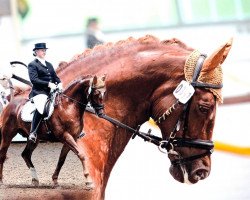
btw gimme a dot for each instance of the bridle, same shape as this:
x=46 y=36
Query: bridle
x=89 y=96
x=172 y=142
x=169 y=145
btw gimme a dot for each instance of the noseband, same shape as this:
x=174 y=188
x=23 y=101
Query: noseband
x=174 y=141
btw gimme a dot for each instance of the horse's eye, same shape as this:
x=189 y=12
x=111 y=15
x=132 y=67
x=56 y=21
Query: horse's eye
x=204 y=109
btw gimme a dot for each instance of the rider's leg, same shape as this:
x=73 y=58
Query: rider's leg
x=37 y=118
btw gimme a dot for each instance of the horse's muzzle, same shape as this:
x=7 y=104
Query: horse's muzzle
x=198 y=174
x=191 y=172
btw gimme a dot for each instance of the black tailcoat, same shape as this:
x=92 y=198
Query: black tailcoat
x=40 y=76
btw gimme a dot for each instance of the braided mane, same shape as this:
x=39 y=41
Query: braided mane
x=147 y=40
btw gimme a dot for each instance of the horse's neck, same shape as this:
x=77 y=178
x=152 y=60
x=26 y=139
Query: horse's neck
x=77 y=96
x=132 y=79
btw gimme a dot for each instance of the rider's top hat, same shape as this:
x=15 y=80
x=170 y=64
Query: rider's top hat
x=40 y=46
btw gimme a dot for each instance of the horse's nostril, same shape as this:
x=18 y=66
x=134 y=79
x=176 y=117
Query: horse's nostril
x=199 y=174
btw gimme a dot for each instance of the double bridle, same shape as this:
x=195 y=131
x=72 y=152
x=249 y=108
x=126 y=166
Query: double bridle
x=89 y=96
x=169 y=145
x=174 y=141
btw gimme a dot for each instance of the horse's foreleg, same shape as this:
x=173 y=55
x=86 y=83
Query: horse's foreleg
x=26 y=154
x=70 y=141
x=3 y=152
x=5 y=143
x=64 y=152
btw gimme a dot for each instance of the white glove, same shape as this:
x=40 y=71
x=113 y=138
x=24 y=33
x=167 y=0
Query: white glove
x=6 y=75
x=60 y=87
x=52 y=86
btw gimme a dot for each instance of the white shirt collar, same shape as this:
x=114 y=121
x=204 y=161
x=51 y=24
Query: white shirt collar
x=42 y=61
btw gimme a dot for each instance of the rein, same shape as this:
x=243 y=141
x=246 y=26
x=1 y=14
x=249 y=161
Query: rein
x=72 y=99
x=89 y=93
x=148 y=137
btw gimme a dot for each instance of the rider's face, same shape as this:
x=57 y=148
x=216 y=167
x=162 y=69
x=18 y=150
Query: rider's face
x=41 y=53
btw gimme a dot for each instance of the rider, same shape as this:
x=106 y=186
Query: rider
x=44 y=79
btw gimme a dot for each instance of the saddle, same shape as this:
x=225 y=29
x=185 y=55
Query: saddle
x=29 y=108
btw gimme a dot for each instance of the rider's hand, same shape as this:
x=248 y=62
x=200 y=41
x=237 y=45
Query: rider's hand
x=60 y=87
x=52 y=86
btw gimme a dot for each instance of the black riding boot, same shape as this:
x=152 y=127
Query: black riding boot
x=37 y=118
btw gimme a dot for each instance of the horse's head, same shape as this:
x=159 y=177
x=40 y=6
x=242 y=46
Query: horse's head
x=98 y=90
x=93 y=89
x=187 y=117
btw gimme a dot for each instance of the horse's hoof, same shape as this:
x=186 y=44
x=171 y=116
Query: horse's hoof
x=55 y=185
x=35 y=182
x=89 y=185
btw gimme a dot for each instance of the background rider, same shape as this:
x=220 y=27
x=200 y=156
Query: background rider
x=44 y=79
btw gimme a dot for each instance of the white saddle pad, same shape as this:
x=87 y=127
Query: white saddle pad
x=29 y=109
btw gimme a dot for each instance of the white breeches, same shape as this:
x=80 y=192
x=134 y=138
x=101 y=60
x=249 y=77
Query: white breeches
x=40 y=101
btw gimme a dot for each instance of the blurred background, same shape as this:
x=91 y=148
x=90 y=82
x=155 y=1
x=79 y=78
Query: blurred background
x=142 y=172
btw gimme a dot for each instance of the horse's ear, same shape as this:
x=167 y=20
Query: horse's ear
x=217 y=57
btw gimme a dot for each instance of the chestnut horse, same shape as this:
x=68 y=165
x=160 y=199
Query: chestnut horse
x=142 y=75
x=65 y=124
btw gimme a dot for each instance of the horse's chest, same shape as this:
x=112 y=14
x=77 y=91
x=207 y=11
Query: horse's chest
x=70 y=120
x=73 y=124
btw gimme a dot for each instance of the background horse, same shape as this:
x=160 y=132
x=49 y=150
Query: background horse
x=65 y=124
x=142 y=75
